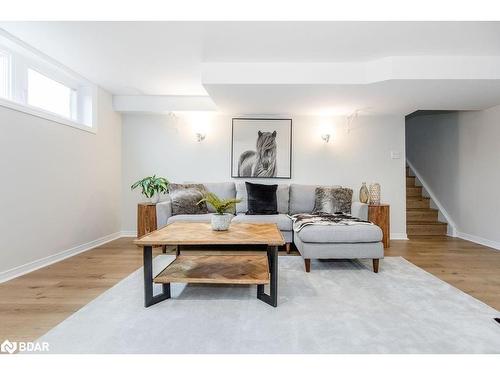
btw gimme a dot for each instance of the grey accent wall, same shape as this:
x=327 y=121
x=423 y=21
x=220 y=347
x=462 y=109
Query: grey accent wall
x=458 y=156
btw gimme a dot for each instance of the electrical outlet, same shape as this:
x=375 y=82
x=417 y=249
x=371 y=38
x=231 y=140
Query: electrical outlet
x=395 y=155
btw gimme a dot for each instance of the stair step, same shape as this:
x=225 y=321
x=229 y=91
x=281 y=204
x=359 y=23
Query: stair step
x=422 y=214
x=415 y=191
x=416 y=202
x=410 y=181
x=426 y=228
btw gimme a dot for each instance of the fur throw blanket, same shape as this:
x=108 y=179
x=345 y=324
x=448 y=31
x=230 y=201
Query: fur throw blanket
x=302 y=220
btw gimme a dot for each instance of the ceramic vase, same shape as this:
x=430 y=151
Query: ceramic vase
x=155 y=198
x=364 y=195
x=221 y=221
x=375 y=194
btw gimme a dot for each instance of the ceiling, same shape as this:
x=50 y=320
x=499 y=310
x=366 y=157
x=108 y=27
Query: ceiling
x=177 y=59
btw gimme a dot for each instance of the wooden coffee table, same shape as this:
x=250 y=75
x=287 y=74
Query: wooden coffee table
x=215 y=269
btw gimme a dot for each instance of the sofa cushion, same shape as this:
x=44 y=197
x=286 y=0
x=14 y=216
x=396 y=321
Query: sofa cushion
x=340 y=233
x=203 y=218
x=185 y=198
x=224 y=190
x=261 y=199
x=332 y=200
x=302 y=198
x=282 y=196
x=283 y=221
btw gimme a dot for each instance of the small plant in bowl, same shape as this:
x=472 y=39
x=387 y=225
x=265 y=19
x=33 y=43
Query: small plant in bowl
x=152 y=187
x=221 y=218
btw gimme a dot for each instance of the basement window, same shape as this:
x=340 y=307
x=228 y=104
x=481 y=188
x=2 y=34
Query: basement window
x=55 y=97
x=33 y=83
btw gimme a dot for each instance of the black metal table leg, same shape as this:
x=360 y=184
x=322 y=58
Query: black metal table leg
x=149 y=299
x=272 y=297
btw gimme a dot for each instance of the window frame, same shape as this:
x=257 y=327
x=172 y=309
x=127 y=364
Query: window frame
x=8 y=56
x=23 y=57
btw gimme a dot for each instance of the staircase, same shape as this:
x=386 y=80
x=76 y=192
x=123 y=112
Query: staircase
x=421 y=219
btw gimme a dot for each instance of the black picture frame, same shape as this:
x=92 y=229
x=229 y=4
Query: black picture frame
x=257 y=119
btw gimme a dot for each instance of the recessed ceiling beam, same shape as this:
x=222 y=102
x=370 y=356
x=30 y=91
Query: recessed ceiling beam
x=352 y=73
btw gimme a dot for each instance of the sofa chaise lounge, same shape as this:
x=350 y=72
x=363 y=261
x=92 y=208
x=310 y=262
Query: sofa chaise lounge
x=313 y=241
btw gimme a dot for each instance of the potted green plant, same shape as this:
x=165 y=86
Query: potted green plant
x=221 y=218
x=152 y=187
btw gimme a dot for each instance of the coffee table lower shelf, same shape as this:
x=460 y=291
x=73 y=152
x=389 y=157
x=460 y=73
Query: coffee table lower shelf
x=256 y=270
x=216 y=269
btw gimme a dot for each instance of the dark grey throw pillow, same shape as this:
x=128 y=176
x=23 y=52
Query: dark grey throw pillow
x=185 y=198
x=332 y=200
x=261 y=199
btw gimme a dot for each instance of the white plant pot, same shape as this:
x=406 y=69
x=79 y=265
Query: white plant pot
x=155 y=198
x=221 y=222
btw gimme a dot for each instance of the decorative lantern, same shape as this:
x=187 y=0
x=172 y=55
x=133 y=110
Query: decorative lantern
x=375 y=194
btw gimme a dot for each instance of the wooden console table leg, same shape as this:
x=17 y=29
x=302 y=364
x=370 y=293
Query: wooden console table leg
x=272 y=297
x=149 y=299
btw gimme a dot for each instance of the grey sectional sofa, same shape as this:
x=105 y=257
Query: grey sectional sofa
x=314 y=241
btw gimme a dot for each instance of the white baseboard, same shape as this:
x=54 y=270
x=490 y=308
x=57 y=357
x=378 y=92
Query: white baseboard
x=128 y=233
x=399 y=236
x=479 y=240
x=32 y=266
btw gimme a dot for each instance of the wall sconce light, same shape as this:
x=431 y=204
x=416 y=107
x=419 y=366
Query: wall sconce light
x=326 y=130
x=200 y=125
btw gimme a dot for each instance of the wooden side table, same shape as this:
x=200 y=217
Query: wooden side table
x=379 y=215
x=146 y=220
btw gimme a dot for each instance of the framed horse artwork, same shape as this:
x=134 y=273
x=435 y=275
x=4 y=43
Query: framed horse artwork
x=261 y=148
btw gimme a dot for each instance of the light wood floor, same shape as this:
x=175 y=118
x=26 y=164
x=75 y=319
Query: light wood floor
x=34 y=303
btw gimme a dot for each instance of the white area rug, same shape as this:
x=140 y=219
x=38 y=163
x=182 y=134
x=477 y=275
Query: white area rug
x=340 y=307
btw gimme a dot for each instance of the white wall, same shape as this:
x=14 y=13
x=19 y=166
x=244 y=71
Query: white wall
x=158 y=144
x=458 y=156
x=60 y=185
